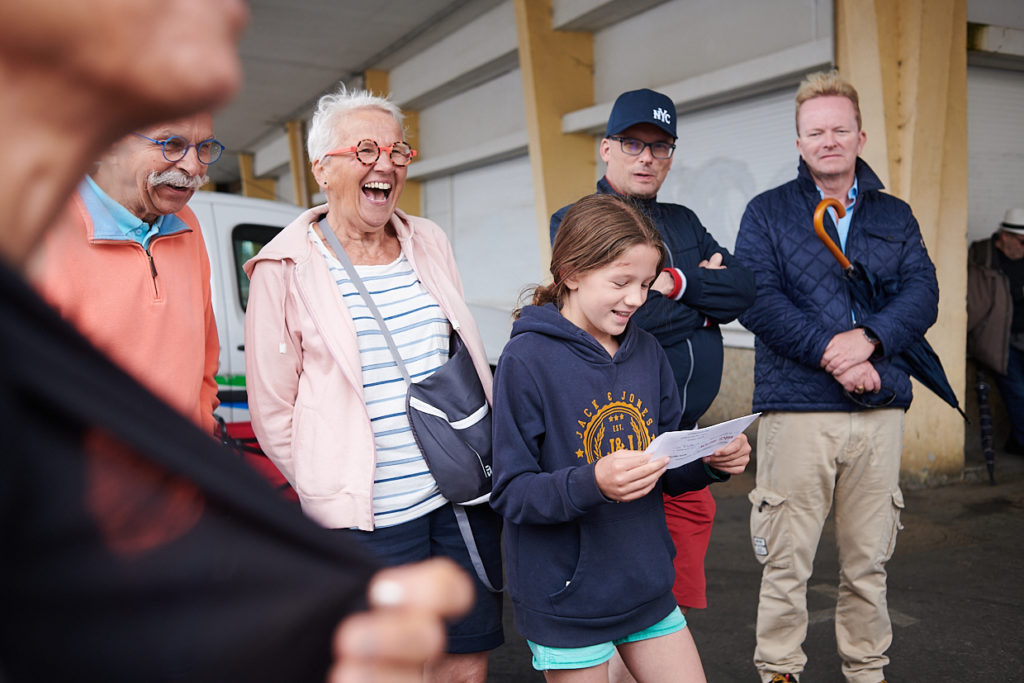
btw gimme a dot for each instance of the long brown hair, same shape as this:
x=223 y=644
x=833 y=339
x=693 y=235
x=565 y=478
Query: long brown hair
x=596 y=231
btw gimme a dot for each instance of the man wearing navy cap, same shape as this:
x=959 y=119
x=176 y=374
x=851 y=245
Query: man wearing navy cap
x=703 y=287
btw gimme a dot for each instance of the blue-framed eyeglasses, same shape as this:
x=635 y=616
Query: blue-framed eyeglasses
x=634 y=147
x=176 y=147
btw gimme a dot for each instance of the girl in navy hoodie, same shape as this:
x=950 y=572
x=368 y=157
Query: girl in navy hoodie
x=579 y=393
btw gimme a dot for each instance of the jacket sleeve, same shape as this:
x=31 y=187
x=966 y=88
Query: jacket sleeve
x=914 y=308
x=273 y=362
x=720 y=294
x=523 y=493
x=774 y=318
x=715 y=295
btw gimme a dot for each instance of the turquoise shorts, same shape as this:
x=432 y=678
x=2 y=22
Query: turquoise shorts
x=545 y=658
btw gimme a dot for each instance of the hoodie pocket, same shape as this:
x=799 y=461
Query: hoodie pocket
x=317 y=472
x=621 y=563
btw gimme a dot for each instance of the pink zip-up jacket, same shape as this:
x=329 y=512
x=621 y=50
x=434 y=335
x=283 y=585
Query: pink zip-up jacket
x=303 y=370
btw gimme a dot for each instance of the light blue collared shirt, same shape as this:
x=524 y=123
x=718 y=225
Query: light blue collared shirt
x=131 y=226
x=843 y=224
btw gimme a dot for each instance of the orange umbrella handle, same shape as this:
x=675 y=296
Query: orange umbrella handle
x=819 y=228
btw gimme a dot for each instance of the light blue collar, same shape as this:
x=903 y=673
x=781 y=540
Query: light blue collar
x=843 y=224
x=130 y=227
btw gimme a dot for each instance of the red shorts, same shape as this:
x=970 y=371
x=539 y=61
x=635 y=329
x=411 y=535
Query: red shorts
x=689 y=518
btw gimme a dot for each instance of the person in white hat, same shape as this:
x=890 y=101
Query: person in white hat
x=995 y=315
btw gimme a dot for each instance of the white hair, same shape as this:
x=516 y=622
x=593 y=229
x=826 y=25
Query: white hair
x=332 y=107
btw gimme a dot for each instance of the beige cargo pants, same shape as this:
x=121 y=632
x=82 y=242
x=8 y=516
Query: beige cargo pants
x=806 y=462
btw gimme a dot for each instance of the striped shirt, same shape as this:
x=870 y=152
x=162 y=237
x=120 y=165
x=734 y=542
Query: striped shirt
x=403 y=488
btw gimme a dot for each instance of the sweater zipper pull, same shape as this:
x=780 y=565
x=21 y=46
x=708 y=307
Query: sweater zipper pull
x=152 y=271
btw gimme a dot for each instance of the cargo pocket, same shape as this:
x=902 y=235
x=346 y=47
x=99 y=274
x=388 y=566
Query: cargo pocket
x=769 y=533
x=895 y=527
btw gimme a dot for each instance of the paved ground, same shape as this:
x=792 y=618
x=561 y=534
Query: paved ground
x=956 y=589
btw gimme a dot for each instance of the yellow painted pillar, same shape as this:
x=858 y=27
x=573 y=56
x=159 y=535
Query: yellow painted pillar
x=558 y=77
x=908 y=61
x=261 y=188
x=411 y=201
x=300 y=171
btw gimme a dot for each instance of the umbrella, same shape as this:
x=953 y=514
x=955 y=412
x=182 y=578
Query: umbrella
x=919 y=360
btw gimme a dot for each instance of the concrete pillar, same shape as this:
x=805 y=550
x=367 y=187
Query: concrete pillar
x=302 y=181
x=558 y=77
x=908 y=61
x=261 y=188
x=411 y=201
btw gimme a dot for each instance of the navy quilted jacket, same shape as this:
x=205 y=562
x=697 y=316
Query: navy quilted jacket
x=802 y=299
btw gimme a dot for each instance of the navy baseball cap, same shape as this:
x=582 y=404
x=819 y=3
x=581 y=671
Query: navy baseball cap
x=642 y=106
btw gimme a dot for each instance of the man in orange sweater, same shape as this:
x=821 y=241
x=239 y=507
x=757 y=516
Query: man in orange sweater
x=126 y=263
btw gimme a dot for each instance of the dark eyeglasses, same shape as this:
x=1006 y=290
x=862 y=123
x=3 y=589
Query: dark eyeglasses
x=368 y=151
x=634 y=147
x=176 y=147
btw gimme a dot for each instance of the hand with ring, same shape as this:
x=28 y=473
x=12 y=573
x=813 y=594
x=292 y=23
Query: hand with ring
x=861 y=378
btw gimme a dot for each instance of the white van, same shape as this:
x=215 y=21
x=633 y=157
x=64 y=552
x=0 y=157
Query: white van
x=235 y=228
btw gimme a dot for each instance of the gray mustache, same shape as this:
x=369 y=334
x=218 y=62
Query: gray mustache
x=178 y=178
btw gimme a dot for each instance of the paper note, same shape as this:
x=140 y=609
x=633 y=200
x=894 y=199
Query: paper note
x=689 y=445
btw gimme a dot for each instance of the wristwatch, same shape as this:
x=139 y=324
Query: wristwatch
x=870 y=336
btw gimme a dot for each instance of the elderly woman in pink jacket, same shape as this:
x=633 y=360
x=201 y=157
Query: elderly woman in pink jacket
x=326 y=397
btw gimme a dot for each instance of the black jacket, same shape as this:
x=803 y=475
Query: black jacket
x=134 y=547
x=688 y=329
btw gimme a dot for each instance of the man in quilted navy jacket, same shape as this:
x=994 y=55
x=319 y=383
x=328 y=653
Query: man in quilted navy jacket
x=834 y=404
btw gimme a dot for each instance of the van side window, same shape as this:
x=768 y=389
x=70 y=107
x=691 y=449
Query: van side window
x=246 y=241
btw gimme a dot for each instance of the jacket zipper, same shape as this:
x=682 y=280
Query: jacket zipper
x=152 y=272
x=152 y=261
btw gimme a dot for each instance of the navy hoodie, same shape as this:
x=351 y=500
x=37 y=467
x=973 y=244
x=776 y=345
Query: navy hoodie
x=582 y=569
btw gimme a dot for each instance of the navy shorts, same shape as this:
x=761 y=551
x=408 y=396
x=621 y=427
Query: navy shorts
x=437 y=534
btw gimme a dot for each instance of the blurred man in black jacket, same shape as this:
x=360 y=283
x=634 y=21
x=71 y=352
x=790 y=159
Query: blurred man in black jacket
x=134 y=547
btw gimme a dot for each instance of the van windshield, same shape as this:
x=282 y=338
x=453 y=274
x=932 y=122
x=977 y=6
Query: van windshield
x=246 y=241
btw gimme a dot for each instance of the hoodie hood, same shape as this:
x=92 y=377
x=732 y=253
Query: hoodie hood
x=548 y=321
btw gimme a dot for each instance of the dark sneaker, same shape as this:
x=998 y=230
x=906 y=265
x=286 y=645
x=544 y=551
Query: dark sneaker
x=782 y=678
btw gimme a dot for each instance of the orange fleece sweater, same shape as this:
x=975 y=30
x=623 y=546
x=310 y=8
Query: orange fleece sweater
x=150 y=312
